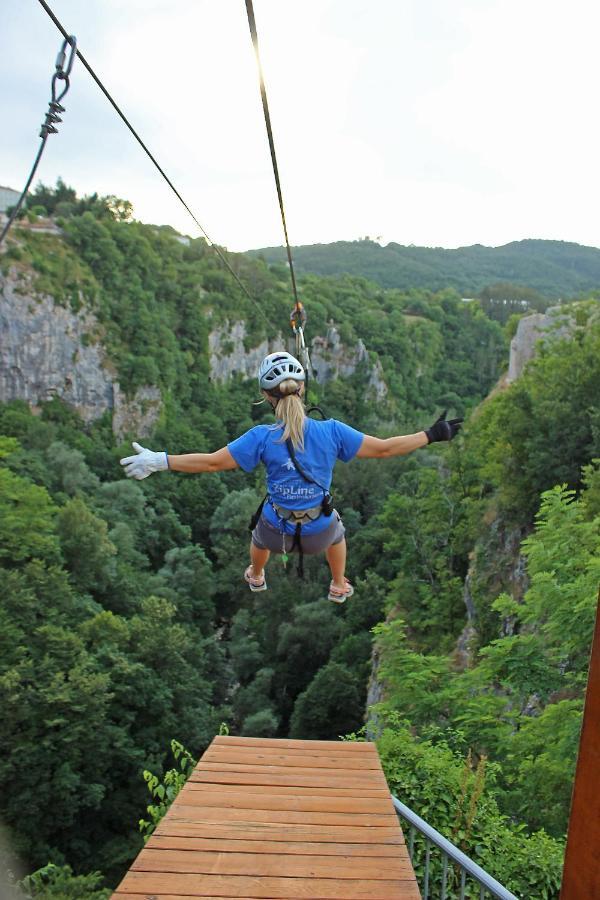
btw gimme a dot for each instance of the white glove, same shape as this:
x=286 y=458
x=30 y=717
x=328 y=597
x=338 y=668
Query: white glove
x=145 y=463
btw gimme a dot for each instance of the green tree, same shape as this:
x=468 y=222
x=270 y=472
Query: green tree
x=27 y=521
x=188 y=575
x=86 y=547
x=61 y=883
x=329 y=707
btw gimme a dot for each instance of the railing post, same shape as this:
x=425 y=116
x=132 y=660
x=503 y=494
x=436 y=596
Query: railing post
x=486 y=882
x=581 y=875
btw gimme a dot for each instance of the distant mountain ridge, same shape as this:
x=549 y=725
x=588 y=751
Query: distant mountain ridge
x=554 y=268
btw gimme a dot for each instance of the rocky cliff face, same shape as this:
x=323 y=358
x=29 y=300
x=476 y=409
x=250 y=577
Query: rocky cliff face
x=330 y=357
x=333 y=359
x=228 y=355
x=47 y=351
x=496 y=562
x=551 y=325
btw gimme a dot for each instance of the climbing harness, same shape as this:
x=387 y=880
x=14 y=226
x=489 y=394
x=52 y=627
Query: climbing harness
x=60 y=86
x=303 y=516
x=297 y=517
x=326 y=506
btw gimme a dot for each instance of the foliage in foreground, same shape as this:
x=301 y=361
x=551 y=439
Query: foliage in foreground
x=520 y=705
x=459 y=801
x=165 y=791
x=60 y=883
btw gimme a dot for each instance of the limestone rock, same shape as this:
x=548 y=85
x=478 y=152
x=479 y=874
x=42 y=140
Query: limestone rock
x=47 y=351
x=330 y=357
x=136 y=415
x=333 y=359
x=228 y=355
x=551 y=325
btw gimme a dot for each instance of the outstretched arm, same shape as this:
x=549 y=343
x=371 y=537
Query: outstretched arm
x=219 y=461
x=382 y=448
x=145 y=462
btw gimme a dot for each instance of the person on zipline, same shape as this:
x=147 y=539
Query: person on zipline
x=299 y=454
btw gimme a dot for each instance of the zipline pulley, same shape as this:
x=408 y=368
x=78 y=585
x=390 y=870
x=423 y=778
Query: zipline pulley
x=298 y=316
x=298 y=321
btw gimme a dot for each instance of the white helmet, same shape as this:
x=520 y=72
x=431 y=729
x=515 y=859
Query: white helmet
x=276 y=367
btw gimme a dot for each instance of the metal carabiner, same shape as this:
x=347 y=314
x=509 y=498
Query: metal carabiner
x=61 y=72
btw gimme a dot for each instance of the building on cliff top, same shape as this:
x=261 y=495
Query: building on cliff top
x=8 y=198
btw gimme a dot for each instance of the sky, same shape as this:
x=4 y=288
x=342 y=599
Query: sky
x=430 y=122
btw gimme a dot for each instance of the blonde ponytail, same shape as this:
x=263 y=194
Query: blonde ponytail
x=290 y=411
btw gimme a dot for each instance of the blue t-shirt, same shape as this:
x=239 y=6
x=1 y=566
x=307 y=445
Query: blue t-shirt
x=324 y=443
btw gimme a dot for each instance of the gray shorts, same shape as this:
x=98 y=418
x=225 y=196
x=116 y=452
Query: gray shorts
x=268 y=537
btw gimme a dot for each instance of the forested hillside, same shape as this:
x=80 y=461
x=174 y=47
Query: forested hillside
x=551 y=269
x=125 y=622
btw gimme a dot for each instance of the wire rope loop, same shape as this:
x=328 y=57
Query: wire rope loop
x=56 y=96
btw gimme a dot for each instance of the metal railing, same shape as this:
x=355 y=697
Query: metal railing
x=454 y=864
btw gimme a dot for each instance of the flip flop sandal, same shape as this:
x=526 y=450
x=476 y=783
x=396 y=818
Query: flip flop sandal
x=338 y=596
x=255 y=584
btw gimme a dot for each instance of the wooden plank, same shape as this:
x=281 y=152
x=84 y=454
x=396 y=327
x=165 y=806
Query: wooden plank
x=276 y=847
x=303 y=746
x=302 y=760
x=242 y=800
x=268 y=778
x=264 y=831
x=155 y=884
x=182 y=812
x=262 y=864
x=281 y=790
x=410 y=891
x=367 y=777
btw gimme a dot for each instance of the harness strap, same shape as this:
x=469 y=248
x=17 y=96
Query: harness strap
x=327 y=502
x=255 y=518
x=297 y=542
x=297 y=515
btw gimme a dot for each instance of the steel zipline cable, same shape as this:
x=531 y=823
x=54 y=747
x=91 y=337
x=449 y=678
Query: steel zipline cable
x=124 y=118
x=298 y=316
x=265 y=105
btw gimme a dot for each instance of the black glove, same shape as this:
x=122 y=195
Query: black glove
x=441 y=430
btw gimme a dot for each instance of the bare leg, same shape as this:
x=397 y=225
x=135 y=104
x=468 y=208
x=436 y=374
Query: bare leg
x=336 y=557
x=259 y=558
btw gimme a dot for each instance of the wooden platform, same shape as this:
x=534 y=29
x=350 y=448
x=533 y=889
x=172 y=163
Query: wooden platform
x=262 y=818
